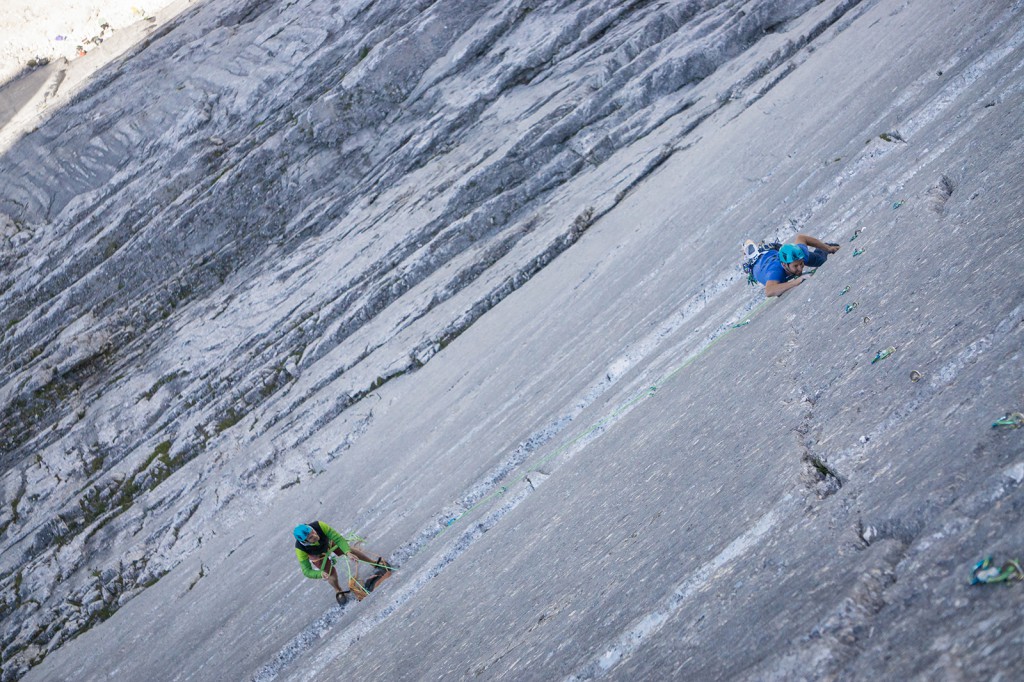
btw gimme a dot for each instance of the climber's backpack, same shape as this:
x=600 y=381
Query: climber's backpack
x=750 y=261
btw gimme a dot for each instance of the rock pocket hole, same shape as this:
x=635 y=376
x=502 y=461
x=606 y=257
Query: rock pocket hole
x=820 y=477
x=939 y=194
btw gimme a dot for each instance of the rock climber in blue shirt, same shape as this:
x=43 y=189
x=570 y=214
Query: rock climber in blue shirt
x=781 y=270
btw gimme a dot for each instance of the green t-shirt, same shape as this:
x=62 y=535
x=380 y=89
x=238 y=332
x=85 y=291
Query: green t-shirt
x=330 y=540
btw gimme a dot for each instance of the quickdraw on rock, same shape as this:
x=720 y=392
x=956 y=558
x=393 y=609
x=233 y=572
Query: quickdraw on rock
x=883 y=354
x=856 y=233
x=897 y=204
x=857 y=252
x=1011 y=420
x=850 y=306
x=985 y=573
x=845 y=290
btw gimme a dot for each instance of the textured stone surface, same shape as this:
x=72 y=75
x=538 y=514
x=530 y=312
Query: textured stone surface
x=461 y=277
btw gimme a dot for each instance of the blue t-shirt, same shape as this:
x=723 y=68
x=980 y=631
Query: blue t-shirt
x=769 y=268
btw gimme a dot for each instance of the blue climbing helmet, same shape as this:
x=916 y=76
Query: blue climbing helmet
x=790 y=253
x=302 y=532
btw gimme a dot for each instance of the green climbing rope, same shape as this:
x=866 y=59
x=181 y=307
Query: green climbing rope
x=600 y=424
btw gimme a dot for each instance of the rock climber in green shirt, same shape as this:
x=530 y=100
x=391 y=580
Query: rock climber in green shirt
x=316 y=544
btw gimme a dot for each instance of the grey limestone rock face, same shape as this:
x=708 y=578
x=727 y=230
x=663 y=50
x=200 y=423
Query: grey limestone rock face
x=396 y=264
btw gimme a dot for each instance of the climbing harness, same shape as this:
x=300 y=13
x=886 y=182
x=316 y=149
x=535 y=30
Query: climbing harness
x=883 y=354
x=330 y=557
x=1012 y=420
x=985 y=573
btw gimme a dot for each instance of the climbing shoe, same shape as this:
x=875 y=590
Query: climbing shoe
x=382 y=568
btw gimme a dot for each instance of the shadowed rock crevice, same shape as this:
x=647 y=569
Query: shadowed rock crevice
x=939 y=194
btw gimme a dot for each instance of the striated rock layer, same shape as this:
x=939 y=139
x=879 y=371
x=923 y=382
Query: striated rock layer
x=250 y=277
